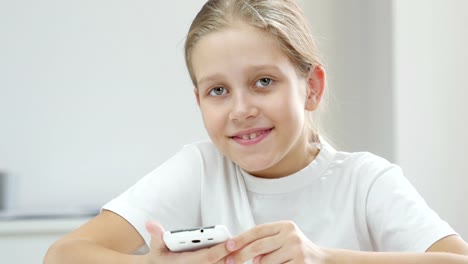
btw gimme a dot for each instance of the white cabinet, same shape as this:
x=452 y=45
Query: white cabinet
x=26 y=241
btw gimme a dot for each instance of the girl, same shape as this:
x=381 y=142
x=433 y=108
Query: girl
x=267 y=174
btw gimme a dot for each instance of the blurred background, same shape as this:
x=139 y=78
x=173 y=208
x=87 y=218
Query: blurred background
x=95 y=94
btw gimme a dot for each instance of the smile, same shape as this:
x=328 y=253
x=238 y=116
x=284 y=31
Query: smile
x=251 y=138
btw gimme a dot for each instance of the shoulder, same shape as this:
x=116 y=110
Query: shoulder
x=203 y=149
x=207 y=155
x=188 y=163
x=362 y=163
x=362 y=169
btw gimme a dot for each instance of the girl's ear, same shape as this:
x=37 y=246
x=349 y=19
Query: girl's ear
x=315 y=88
x=197 y=96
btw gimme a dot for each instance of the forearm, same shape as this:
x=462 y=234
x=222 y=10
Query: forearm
x=83 y=251
x=352 y=257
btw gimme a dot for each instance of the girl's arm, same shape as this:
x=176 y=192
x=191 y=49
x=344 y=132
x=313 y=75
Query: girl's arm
x=283 y=242
x=449 y=250
x=108 y=238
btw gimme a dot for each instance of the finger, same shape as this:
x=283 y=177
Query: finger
x=282 y=255
x=214 y=254
x=257 y=259
x=258 y=232
x=157 y=243
x=258 y=248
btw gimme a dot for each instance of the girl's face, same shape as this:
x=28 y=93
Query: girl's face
x=253 y=101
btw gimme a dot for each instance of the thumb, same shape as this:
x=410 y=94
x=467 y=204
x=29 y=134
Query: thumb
x=157 y=243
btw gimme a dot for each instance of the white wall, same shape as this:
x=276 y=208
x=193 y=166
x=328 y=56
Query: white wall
x=93 y=95
x=355 y=42
x=397 y=70
x=431 y=65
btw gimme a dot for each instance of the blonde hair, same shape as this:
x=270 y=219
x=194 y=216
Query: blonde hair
x=282 y=19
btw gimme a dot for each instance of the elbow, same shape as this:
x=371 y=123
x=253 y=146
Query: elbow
x=51 y=255
x=54 y=253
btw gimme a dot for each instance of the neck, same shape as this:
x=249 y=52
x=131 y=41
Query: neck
x=306 y=149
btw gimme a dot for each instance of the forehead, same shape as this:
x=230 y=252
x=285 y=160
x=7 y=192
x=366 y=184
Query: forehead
x=236 y=48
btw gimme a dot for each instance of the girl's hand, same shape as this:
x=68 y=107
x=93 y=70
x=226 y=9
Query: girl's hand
x=279 y=242
x=160 y=254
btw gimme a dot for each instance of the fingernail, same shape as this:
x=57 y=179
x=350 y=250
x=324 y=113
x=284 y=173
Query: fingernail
x=229 y=260
x=231 y=245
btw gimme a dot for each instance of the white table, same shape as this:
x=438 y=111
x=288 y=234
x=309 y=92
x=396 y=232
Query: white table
x=26 y=241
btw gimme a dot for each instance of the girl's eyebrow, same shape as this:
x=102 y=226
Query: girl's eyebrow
x=209 y=78
x=248 y=69
x=260 y=67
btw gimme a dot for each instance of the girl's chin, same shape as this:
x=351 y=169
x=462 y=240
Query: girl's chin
x=253 y=169
x=253 y=164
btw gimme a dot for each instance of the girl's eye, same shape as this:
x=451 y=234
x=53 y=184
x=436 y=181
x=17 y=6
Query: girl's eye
x=218 y=91
x=264 y=82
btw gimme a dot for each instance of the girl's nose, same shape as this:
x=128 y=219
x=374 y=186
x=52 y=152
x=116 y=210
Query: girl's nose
x=243 y=107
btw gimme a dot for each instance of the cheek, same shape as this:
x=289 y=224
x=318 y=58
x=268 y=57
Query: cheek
x=288 y=108
x=212 y=119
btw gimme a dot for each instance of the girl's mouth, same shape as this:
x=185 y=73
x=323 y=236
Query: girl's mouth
x=252 y=138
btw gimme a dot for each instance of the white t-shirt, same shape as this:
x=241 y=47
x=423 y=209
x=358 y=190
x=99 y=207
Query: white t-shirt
x=355 y=201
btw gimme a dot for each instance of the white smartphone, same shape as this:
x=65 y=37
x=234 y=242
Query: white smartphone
x=195 y=238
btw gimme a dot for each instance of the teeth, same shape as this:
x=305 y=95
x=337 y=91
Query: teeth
x=251 y=136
